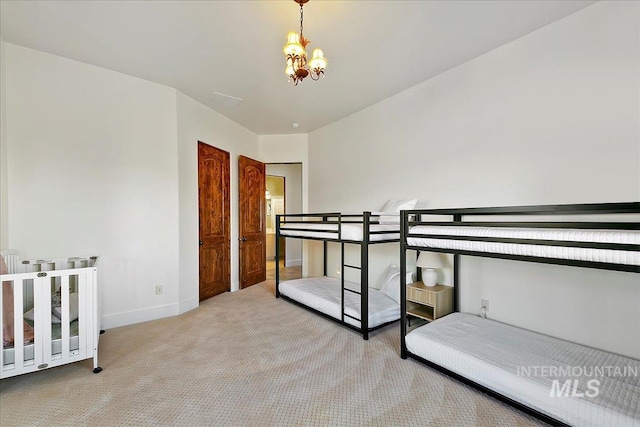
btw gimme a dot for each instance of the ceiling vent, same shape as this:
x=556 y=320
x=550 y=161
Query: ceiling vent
x=220 y=100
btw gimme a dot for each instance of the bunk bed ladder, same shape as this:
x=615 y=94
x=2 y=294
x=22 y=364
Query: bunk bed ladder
x=363 y=268
x=364 y=274
x=344 y=288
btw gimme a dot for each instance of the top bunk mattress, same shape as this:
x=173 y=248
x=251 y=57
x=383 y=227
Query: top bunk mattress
x=626 y=257
x=572 y=383
x=324 y=295
x=348 y=231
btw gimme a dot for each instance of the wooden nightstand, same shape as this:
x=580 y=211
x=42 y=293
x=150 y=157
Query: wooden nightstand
x=429 y=302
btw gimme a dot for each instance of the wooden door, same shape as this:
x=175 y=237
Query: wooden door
x=214 y=215
x=251 y=212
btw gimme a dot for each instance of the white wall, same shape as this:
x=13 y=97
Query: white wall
x=104 y=163
x=288 y=149
x=292 y=174
x=197 y=122
x=552 y=117
x=92 y=170
x=4 y=205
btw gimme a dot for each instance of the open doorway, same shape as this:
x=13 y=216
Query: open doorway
x=275 y=195
x=283 y=195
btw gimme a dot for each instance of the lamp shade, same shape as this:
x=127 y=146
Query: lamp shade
x=293 y=46
x=318 y=60
x=430 y=260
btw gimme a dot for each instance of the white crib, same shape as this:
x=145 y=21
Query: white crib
x=59 y=298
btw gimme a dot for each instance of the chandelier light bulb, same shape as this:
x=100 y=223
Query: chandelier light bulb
x=318 y=61
x=293 y=46
x=293 y=38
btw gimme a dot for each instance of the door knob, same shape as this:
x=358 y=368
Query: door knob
x=243 y=239
x=200 y=242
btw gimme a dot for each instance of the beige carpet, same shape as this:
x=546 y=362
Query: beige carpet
x=248 y=359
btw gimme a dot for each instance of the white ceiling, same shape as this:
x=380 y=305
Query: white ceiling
x=375 y=48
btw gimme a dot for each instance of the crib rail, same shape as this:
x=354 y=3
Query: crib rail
x=12 y=259
x=73 y=282
x=31 y=265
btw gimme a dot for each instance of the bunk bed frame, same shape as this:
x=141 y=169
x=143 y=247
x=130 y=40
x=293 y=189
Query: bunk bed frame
x=330 y=224
x=412 y=218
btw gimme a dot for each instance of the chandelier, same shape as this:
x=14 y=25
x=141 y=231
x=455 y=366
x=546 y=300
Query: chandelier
x=294 y=51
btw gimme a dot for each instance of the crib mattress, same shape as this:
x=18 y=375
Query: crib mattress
x=56 y=343
x=324 y=295
x=524 y=365
x=348 y=231
x=561 y=252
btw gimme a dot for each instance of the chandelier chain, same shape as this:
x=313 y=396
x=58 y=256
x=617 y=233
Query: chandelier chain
x=301 y=16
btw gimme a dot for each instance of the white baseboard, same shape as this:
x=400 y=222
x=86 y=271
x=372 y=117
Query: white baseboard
x=137 y=316
x=188 y=305
x=289 y=263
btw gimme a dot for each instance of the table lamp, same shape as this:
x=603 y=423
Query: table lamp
x=429 y=261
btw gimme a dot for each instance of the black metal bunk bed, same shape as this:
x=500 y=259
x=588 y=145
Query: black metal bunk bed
x=329 y=228
x=414 y=218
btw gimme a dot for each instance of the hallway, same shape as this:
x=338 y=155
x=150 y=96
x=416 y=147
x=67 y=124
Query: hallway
x=286 y=273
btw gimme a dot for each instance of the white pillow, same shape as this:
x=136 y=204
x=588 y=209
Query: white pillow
x=56 y=312
x=28 y=315
x=394 y=207
x=391 y=282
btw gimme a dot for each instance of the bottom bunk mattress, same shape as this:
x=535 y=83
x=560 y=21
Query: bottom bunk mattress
x=324 y=295
x=56 y=343
x=572 y=383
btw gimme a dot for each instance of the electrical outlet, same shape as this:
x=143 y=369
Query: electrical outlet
x=484 y=307
x=158 y=289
